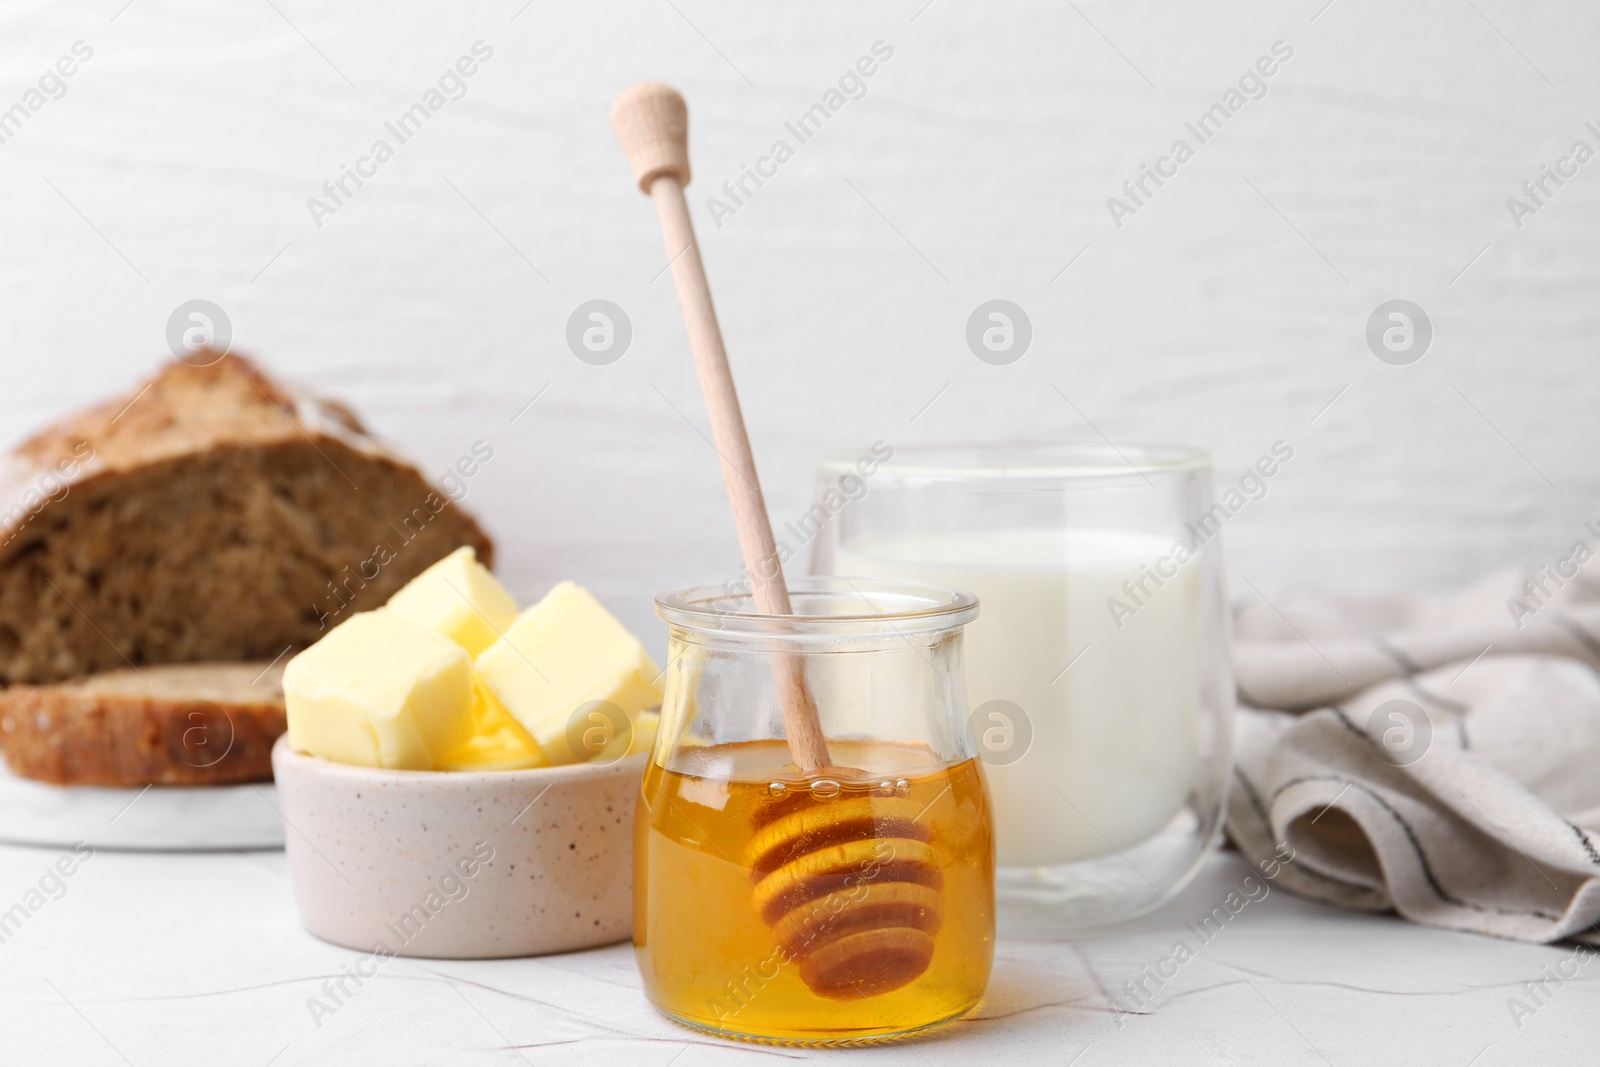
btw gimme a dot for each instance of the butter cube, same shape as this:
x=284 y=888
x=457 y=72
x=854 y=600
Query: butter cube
x=642 y=738
x=379 y=691
x=498 y=742
x=458 y=597
x=561 y=654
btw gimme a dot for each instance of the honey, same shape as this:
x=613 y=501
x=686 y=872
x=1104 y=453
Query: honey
x=843 y=907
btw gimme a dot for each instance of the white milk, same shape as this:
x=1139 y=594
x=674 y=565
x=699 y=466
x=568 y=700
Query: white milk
x=1115 y=738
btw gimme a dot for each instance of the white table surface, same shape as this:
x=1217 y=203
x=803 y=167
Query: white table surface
x=200 y=959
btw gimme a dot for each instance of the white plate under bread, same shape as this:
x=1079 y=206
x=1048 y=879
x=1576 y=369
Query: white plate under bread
x=157 y=818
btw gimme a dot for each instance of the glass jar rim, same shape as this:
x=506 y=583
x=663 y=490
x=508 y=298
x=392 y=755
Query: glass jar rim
x=1020 y=460
x=903 y=606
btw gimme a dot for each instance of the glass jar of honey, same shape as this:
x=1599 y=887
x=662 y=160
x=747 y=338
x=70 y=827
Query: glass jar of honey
x=848 y=903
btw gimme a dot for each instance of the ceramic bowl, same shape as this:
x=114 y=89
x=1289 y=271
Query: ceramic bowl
x=460 y=865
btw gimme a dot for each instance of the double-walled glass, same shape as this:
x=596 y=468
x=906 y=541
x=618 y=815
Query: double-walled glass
x=1098 y=671
x=850 y=904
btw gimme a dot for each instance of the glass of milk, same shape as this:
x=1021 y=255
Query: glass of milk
x=1097 y=671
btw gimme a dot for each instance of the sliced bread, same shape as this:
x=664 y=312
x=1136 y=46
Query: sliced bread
x=185 y=724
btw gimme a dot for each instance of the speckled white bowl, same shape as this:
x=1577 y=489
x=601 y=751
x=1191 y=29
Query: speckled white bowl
x=460 y=865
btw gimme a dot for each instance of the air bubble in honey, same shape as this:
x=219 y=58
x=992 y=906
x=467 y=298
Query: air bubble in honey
x=824 y=789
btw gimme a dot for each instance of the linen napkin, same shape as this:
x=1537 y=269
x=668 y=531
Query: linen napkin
x=1440 y=758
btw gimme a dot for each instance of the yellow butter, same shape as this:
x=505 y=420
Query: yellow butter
x=561 y=654
x=645 y=727
x=458 y=597
x=641 y=738
x=380 y=691
x=498 y=741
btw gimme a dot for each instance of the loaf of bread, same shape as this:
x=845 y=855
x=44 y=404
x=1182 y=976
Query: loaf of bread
x=210 y=515
x=160 y=550
x=184 y=724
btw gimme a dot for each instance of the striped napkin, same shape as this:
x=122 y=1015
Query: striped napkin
x=1440 y=758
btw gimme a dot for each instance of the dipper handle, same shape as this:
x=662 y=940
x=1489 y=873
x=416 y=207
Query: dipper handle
x=651 y=122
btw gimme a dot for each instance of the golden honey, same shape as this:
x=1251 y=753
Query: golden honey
x=851 y=905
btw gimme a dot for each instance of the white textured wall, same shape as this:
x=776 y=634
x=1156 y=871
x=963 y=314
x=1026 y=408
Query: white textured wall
x=990 y=142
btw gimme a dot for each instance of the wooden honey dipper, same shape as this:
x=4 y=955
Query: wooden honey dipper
x=849 y=887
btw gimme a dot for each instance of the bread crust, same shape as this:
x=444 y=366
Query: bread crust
x=110 y=733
